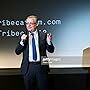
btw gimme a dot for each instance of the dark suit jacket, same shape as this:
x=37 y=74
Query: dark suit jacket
x=43 y=46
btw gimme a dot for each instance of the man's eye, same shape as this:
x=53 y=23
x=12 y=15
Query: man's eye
x=31 y=23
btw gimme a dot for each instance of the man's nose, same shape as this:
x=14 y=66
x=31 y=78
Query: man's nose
x=29 y=24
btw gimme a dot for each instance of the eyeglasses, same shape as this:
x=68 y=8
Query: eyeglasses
x=30 y=23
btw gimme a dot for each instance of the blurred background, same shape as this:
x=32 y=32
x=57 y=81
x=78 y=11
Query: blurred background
x=67 y=20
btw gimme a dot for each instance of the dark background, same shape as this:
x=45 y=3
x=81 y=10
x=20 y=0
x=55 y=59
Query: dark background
x=59 y=79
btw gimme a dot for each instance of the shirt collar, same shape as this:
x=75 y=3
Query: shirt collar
x=35 y=32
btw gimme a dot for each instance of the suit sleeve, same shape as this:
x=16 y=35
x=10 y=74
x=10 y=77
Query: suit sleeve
x=50 y=48
x=19 y=48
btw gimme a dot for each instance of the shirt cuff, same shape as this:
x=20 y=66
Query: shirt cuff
x=21 y=43
x=49 y=42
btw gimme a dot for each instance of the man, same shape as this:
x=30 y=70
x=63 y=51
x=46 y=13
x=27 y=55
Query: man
x=34 y=44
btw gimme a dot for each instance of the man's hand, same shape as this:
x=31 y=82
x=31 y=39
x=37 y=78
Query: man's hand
x=23 y=37
x=49 y=38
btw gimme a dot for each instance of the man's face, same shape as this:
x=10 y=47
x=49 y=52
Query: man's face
x=31 y=24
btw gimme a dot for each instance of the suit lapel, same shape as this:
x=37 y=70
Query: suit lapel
x=39 y=40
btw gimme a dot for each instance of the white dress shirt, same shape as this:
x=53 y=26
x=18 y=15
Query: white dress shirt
x=37 y=47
